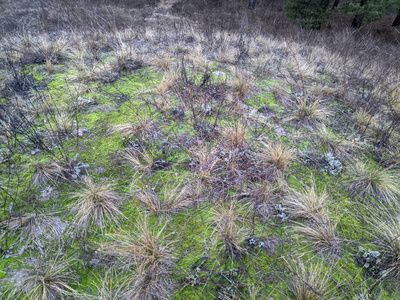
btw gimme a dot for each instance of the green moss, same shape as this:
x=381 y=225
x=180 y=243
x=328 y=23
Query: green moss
x=264 y=101
x=5 y=266
x=201 y=263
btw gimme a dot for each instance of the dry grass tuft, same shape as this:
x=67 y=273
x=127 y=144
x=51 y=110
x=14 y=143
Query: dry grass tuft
x=45 y=172
x=206 y=161
x=363 y=119
x=234 y=136
x=225 y=220
x=110 y=286
x=372 y=181
x=308 y=281
x=140 y=161
x=125 y=129
x=225 y=54
x=168 y=81
x=62 y=125
x=107 y=72
x=80 y=89
x=152 y=256
x=387 y=237
x=45 y=279
x=161 y=62
x=126 y=57
x=307 y=203
x=174 y=199
x=33 y=228
x=38 y=49
x=309 y=111
x=335 y=144
x=241 y=84
x=278 y=156
x=142 y=129
x=322 y=235
x=95 y=204
x=151 y=200
x=49 y=66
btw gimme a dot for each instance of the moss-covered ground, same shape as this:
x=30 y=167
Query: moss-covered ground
x=206 y=133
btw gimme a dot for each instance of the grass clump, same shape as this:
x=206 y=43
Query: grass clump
x=308 y=281
x=363 y=119
x=33 y=228
x=241 y=84
x=205 y=162
x=309 y=111
x=46 y=171
x=172 y=200
x=317 y=229
x=151 y=254
x=372 y=181
x=44 y=279
x=62 y=126
x=161 y=62
x=307 y=203
x=143 y=129
x=234 y=136
x=330 y=140
x=387 y=238
x=278 y=156
x=225 y=220
x=141 y=161
x=110 y=286
x=96 y=203
x=322 y=235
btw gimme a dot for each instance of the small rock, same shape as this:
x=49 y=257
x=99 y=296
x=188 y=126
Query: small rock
x=46 y=194
x=35 y=151
x=80 y=132
x=86 y=101
x=218 y=73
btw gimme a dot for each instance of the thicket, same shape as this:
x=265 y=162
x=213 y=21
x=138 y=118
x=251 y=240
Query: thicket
x=313 y=14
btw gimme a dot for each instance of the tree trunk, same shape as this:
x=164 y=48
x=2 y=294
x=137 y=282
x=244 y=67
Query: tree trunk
x=357 y=21
x=252 y=4
x=335 y=4
x=324 y=4
x=396 y=21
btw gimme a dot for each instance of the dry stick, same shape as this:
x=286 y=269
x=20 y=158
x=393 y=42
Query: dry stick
x=374 y=286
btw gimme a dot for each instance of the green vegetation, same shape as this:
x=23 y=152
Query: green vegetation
x=140 y=165
x=310 y=14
